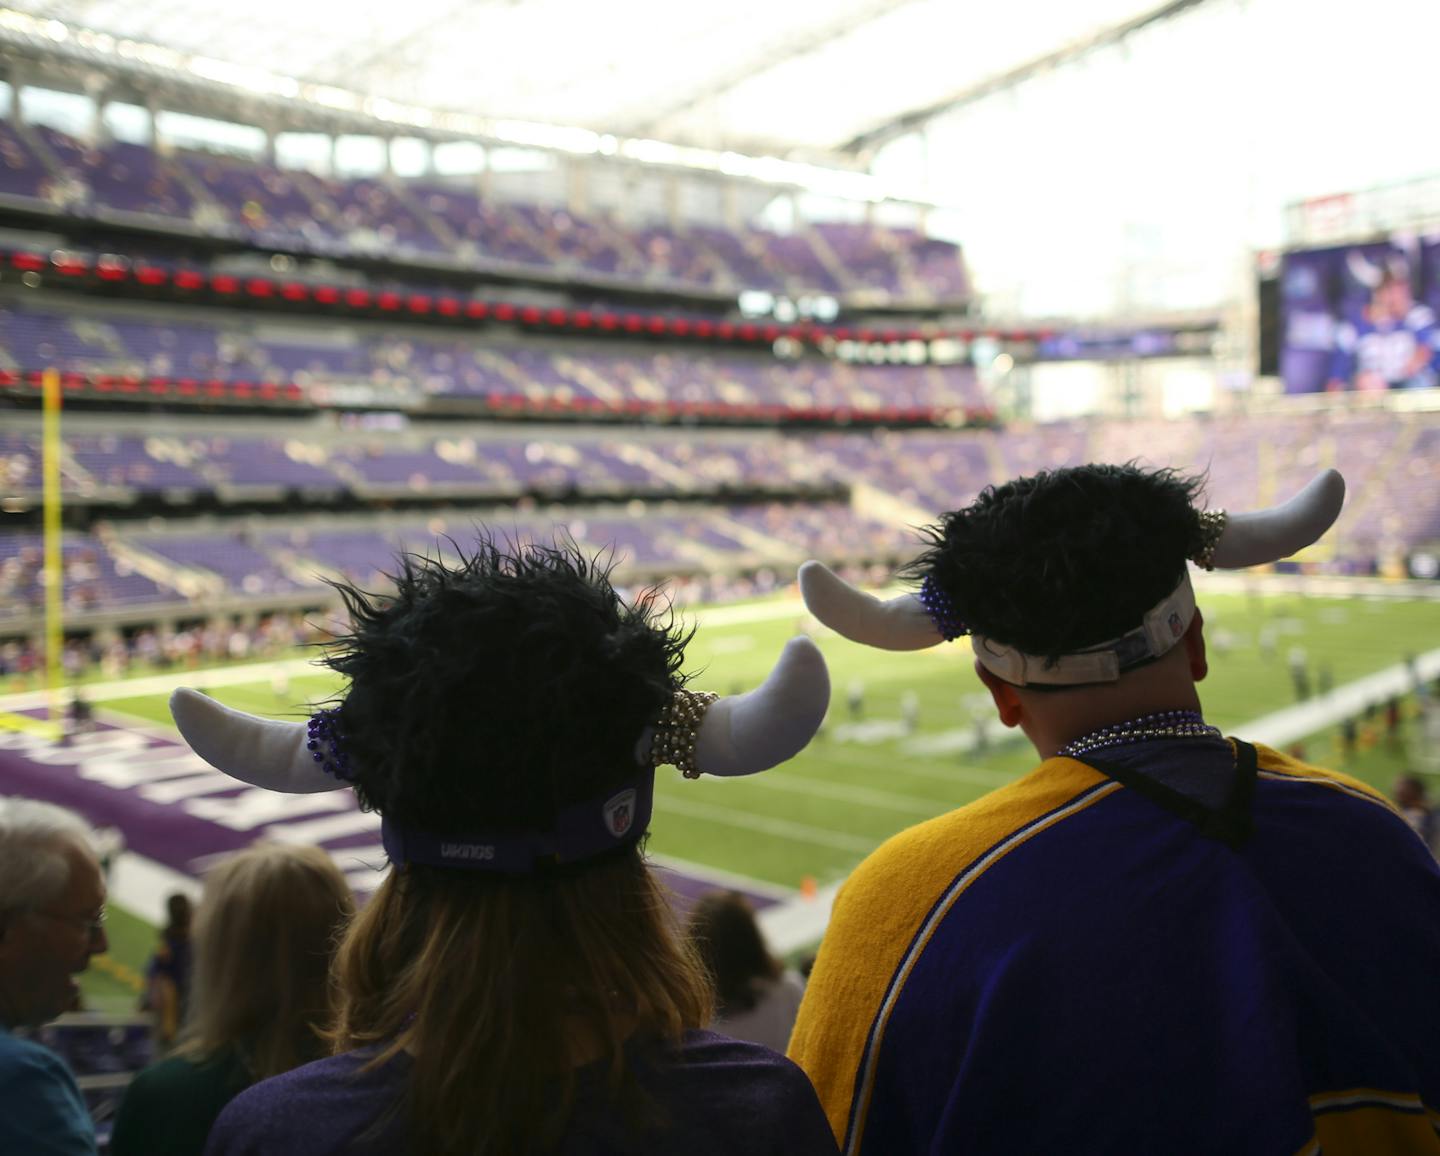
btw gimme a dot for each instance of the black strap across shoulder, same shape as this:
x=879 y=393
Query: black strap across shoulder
x=1231 y=823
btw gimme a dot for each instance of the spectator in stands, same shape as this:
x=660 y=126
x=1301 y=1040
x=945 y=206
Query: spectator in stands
x=756 y=998
x=1412 y=799
x=517 y=984
x=1152 y=942
x=52 y=920
x=167 y=986
x=265 y=937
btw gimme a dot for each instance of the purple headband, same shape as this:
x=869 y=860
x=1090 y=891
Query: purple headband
x=580 y=831
x=941 y=610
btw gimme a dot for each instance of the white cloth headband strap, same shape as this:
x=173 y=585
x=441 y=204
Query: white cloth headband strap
x=1164 y=625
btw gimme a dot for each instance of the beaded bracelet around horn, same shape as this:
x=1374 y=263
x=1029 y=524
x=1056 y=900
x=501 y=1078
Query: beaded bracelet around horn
x=326 y=744
x=941 y=610
x=1212 y=525
x=677 y=728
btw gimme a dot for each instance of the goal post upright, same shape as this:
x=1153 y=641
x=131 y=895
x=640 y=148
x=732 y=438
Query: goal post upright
x=54 y=566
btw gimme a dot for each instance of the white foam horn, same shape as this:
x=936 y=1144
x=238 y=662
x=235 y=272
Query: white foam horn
x=743 y=734
x=259 y=751
x=1278 y=532
x=897 y=624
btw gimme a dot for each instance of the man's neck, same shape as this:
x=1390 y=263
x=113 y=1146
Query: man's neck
x=1051 y=726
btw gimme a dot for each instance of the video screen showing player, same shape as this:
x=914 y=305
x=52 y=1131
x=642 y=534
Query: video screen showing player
x=1392 y=343
x=1353 y=319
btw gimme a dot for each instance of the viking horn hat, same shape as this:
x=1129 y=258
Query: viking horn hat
x=906 y=623
x=740 y=735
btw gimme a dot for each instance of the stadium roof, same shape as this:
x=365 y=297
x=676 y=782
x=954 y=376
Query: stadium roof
x=801 y=78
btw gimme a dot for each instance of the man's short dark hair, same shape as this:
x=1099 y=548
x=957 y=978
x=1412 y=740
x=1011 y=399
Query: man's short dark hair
x=488 y=693
x=1066 y=559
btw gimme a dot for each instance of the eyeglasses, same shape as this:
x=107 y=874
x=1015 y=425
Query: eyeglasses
x=92 y=925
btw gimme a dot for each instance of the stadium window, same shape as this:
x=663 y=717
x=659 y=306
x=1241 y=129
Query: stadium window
x=359 y=156
x=513 y=160
x=409 y=156
x=129 y=123
x=903 y=162
x=214 y=136
x=779 y=214
x=819 y=207
x=70 y=112
x=310 y=151
x=458 y=158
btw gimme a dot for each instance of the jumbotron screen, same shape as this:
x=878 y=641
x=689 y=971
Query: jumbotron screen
x=1361 y=317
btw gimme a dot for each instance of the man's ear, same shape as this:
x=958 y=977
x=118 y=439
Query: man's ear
x=1007 y=701
x=1195 y=647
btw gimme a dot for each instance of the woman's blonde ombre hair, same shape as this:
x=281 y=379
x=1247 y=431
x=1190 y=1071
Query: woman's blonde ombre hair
x=265 y=935
x=500 y=987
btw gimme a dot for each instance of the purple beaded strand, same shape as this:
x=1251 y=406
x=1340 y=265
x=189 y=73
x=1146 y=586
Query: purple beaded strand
x=1165 y=724
x=327 y=745
x=941 y=610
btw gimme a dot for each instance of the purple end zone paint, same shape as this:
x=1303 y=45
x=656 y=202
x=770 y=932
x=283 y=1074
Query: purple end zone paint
x=177 y=810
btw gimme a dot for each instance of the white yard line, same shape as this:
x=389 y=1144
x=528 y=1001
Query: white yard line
x=721 y=878
x=165 y=683
x=765 y=824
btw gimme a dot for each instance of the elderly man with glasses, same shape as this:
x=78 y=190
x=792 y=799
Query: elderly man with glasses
x=52 y=920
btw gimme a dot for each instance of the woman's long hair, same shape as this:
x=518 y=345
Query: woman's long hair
x=728 y=940
x=265 y=936
x=500 y=987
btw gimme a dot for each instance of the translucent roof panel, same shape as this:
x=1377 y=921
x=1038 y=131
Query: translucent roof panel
x=749 y=75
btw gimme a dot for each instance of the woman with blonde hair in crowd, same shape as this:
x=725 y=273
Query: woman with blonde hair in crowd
x=518 y=983
x=264 y=939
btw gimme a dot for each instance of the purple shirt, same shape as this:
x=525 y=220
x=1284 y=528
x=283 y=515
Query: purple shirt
x=722 y=1096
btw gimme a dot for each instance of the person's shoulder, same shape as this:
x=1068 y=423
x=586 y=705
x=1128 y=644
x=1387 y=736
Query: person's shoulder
x=719 y=1058
x=314 y=1078
x=1275 y=765
x=312 y=1099
x=749 y=1088
x=181 y=1075
x=929 y=856
x=162 y=1079
x=23 y=1060
x=40 y=1104
x=1421 y=316
x=1367 y=814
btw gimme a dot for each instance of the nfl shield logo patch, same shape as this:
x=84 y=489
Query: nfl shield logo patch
x=619 y=812
x=1177 y=628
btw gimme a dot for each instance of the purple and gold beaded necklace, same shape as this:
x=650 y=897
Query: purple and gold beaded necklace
x=1165 y=724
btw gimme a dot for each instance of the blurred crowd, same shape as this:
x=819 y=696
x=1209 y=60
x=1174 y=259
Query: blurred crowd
x=155 y=648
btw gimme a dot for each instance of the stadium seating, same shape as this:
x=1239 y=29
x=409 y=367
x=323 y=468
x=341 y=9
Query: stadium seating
x=94 y=578
x=191 y=345
x=849 y=498
x=432 y=220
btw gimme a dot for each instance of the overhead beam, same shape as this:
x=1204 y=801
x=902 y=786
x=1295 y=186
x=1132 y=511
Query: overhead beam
x=795 y=47
x=872 y=139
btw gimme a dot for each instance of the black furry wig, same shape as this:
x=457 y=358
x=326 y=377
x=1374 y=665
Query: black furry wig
x=488 y=693
x=1066 y=559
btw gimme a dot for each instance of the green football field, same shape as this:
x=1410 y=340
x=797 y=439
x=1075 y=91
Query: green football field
x=871 y=773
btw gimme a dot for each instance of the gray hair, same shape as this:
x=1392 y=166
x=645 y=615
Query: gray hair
x=33 y=837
